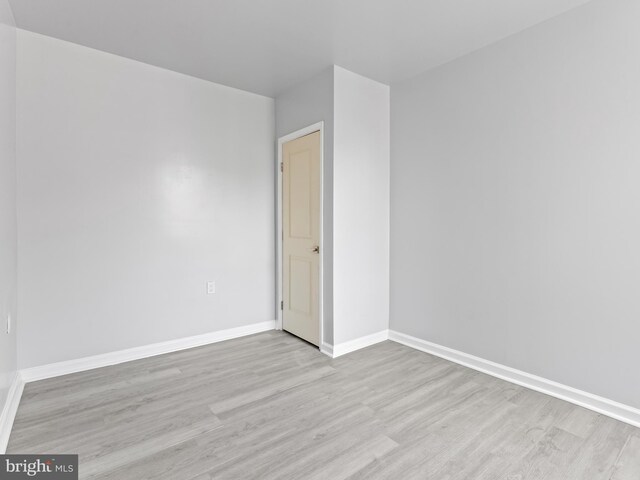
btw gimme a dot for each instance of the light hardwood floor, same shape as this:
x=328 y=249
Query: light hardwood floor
x=270 y=406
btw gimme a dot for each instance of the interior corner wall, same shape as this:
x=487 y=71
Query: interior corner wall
x=8 y=222
x=137 y=185
x=515 y=202
x=305 y=104
x=360 y=206
x=356 y=115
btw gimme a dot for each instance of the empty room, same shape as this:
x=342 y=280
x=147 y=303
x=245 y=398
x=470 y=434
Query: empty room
x=326 y=240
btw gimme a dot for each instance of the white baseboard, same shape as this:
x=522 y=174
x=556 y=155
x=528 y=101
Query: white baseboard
x=88 y=363
x=9 y=411
x=327 y=349
x=358 y=343
x=610 y=408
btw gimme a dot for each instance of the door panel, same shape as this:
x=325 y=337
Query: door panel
x=300 y=203
x=301 y=237
x=300 y=283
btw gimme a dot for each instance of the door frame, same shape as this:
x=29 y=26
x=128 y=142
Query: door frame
x=316 y=127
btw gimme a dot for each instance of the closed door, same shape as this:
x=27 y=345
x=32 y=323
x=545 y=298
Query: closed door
x=301 y=237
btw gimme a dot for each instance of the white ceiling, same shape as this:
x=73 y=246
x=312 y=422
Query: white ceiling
x=265 y=46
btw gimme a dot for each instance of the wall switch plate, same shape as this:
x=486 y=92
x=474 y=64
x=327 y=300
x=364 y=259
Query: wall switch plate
x=211 y=288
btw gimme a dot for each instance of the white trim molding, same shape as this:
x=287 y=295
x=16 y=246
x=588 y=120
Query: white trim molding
x=9 y=411
x=104 y=360
x=362 y=342
x=610 y=408
x=326 y=349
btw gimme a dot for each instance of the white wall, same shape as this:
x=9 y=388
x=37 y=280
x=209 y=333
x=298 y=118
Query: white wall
x=360 y=206
x=307 y=103
x=516 y=202
x=136 y=186
x=8 y=249
x=356 y=113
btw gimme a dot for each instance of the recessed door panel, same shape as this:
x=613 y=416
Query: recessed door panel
x=300 y=284
x=301 y=191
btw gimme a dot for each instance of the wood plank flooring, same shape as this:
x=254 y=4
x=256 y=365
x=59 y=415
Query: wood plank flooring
x=270 y=406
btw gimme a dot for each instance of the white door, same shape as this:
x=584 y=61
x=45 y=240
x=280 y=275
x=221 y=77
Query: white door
x=301 y=237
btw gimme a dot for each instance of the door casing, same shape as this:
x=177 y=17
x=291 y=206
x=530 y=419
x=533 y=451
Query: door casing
x=316 y=127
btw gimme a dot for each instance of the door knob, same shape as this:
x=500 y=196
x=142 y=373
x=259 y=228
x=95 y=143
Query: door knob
x=316 y=249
